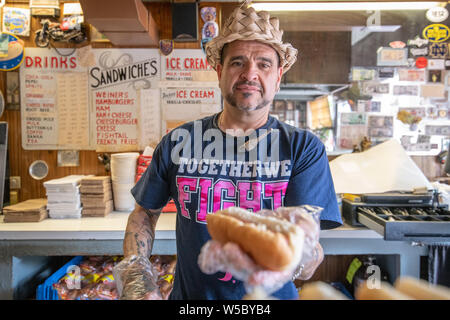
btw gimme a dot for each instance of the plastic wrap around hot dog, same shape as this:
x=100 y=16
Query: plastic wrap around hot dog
x=273 y=243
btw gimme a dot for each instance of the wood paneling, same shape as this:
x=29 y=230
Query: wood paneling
x=324 y=57
x=332 y=269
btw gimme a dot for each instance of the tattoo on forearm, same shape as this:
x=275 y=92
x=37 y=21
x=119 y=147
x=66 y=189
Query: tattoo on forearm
x=140 y=233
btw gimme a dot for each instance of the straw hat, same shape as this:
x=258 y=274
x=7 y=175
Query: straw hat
x=247 y=24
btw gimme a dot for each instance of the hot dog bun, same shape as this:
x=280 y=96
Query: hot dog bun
x=273 y=243
x=421 y=290
x=384 y=292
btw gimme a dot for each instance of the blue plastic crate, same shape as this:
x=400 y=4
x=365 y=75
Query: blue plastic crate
x=45 y=291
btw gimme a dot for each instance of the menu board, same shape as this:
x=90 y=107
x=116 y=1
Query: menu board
x=111 y=100
x=115 y=83
x=54 y=106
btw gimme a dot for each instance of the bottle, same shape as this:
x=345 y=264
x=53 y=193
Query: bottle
x=369 y=271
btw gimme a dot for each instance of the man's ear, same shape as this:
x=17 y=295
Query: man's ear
x=280 y=75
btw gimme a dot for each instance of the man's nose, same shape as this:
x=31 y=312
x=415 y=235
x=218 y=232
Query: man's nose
x=250 y=72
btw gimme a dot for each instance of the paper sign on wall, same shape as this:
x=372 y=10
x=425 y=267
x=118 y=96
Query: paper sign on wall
x=115 y=83
x=54 y=105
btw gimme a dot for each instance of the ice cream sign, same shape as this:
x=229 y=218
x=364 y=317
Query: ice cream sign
x=182 y=65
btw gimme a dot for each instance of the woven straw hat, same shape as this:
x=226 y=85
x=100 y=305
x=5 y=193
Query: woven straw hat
x=247 y=24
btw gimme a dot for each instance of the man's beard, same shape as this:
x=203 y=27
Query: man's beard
x=231 y=99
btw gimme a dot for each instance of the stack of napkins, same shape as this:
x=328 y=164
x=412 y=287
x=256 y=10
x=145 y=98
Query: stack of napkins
x=33 y=210
x=63 y=197
x=96 y=196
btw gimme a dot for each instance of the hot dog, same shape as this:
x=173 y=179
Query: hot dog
x=273 y=243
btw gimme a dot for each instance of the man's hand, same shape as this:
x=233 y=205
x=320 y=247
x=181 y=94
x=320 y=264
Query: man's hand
x=136 y=279
x=135 y=276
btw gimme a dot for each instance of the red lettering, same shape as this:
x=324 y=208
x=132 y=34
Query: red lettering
x=54 y=62
x=37 y=62
x=73 y=62
x=181 y=94
x=63 y=61
x=173 y=63
x=28 y=62
x=202 y=64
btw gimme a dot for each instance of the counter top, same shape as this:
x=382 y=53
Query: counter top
x=112 y=227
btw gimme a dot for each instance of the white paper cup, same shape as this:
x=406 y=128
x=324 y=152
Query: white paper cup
x=123 y=199
x=123 y=166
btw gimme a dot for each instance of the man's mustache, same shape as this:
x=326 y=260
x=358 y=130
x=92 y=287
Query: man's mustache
x=247 y=83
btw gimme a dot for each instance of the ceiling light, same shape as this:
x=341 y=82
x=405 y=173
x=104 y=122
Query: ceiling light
x=344 y=6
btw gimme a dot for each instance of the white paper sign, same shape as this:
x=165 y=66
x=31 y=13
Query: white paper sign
x=51 y=87
x=187 y=65
x=115 y=83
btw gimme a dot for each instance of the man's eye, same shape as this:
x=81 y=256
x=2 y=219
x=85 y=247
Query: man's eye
x=236 y=63
x=265 y=65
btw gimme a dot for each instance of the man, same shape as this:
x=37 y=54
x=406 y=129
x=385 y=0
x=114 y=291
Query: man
x=239 y=157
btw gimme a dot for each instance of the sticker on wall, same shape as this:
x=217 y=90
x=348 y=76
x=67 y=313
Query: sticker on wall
x=408 y=90
x=435 y=76
x=417 y=41
x=210 y=28
x=437 y=14
x=362 y=74
x=438 y=50
x=421 y=62
x=405 y=74
x=387 y=56
x=447 y=65
x=397 y=44
x=12 y=52
x=436 y=64
x=165 y=46
x=16 y=21
x=436 y=32
x=386 y=73
x=419 y=51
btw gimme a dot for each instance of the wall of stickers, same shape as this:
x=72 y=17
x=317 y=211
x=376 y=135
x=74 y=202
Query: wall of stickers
x=404 y=96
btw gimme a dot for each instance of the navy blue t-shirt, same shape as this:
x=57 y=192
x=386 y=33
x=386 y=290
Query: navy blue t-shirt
x=204 y=170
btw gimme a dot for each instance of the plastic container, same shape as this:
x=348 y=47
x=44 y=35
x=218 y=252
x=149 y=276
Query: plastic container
x=45 y=291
